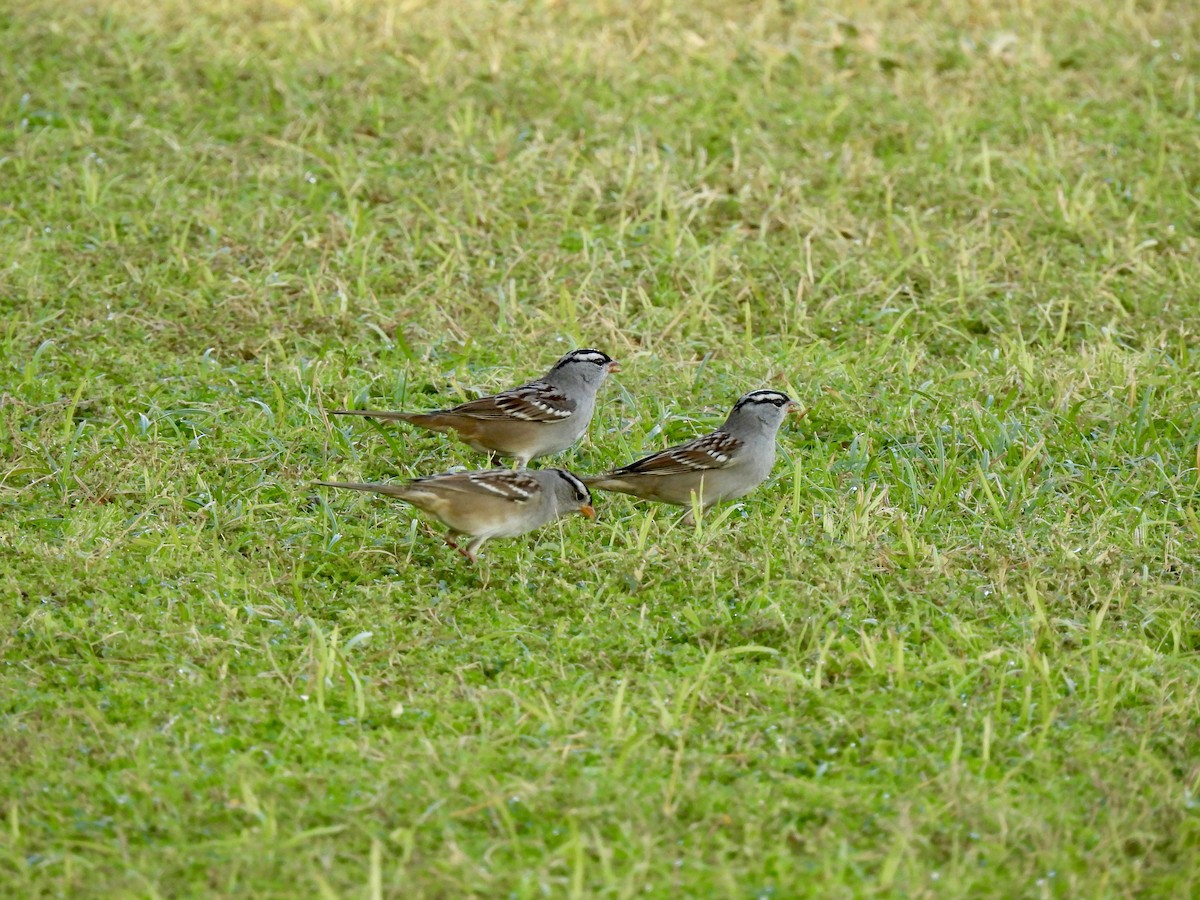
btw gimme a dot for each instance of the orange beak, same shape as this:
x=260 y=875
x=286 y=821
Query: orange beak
x=588 y=512
x=795 y=409
x=612 y=366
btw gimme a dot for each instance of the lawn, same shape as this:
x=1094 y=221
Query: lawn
x=951 y=649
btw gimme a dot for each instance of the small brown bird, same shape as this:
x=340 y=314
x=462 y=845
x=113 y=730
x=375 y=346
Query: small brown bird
x=540 y=418
x=491 y=503
x=723 y=465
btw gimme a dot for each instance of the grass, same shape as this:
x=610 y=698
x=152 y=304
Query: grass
x=950 y=650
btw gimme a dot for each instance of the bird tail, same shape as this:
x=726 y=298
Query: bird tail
x=599 y=481
x=434 y=420
x=391 y=490
x=373 y=414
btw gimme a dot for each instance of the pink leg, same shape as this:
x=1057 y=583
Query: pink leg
x=453 y=545
x=448 y=537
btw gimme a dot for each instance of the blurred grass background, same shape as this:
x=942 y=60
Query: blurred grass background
x=950 y=650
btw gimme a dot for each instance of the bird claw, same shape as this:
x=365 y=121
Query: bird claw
x=465 y=551
x=450 y=542
x=448 y=538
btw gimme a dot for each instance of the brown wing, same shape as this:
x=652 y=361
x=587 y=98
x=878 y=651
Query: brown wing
x=505 y=483
x=712 y=451
x=533 y=402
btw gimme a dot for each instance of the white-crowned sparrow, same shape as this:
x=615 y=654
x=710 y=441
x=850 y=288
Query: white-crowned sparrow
x=536 y=419
x=489 y=504
x=728 y=463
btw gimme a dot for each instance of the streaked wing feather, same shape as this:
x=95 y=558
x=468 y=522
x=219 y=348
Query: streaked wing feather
x=505 y=483
x=711 y=451
x=533 y=402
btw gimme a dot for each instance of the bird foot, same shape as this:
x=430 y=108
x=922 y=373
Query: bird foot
x=454 y=545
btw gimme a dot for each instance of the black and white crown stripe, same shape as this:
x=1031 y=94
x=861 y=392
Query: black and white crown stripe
x=581 y=489
x=775 y=398
x=595 y=357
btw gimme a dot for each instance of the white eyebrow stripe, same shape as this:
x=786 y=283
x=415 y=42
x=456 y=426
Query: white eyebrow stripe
x=775 y=398
x=580 y=487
